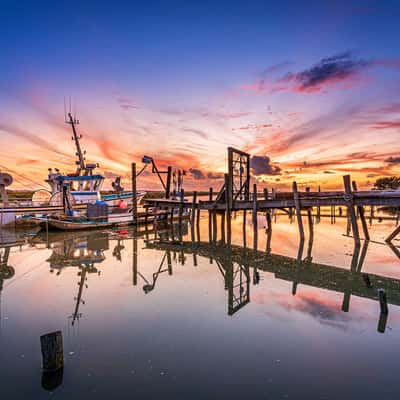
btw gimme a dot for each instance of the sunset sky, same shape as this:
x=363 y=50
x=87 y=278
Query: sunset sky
x=311 y=88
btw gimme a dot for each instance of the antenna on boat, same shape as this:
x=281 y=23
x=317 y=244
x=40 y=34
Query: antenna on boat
x=71 y=120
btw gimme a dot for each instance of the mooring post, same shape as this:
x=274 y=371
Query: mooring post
x=228 y=205
x=52 y=351
x=362 y=215
x=350 y=208
x=214 y=225
x=297 y=204
x=210 y=197
x=223 y=226
x=193 y=214
x=319 y=207
x=134 y=197
x=168 y=184
x=244 y=229
x=383 y=301
x=135 y=261
x=255 y=221
x=310 y=219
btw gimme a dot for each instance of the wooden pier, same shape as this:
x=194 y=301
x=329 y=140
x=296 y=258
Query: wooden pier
x=235 y=195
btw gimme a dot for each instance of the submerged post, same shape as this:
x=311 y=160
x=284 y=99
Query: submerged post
x=350 y=209
x=298 y=211
x=134 y=196
x=52 y=351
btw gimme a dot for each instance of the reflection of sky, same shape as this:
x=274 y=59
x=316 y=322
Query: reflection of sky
x=313 y=89
x=179 y=337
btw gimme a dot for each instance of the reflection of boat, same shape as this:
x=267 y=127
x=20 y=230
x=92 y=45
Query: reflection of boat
x=68 y=225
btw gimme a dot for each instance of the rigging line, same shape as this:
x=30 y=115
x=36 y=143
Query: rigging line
x=24 y=274
x=22 y=176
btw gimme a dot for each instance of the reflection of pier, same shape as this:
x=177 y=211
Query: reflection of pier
x=347 y=281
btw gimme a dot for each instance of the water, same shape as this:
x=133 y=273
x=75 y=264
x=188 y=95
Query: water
x=191 y=322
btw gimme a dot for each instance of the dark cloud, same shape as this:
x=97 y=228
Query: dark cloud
x=197 y=174
x=215 y=175
x=339 y=68
x=393 y=160
x=261 y=165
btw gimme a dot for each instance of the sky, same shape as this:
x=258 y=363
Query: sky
x=310 y=89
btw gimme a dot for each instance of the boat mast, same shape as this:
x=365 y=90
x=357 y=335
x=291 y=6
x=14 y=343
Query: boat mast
x=81 y=160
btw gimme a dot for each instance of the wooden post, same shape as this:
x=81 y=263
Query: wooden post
x=255 y=222
x=244 y=229
x=223 y=226
x=350 y=208
x=168 y=184
x=135 y=260
x=228 y=203
x=210 y=197
x=198 y=223
x=214 y=225
x=298 y=211
x=193 y=214
x=383 y=301
x=134 y=196
x=310 y=219
x=319 y=207
x=52 y=351
x=362 y=215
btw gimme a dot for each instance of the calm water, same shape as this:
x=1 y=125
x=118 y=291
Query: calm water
x=155 y=319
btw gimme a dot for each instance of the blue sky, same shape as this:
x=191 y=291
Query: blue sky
x=190 y=79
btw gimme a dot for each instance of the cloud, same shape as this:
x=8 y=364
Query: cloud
x=197 y=173
x=341 y=68
x=385 y=125
x=261 y=165
x=126 y=103
x=393 y=160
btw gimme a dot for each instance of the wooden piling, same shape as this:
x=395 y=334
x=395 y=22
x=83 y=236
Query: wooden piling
x=383 y=302
x=134 y=197
x=350 y=208
x=298 y=211
x=52 y=351
x=168 y=184
x=135 y=261
x=362 y=215
x=255 y=221
x=229 y=203
x=193 y=214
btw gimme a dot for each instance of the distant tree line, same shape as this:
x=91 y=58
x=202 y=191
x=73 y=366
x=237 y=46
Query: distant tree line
x=392 y=182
